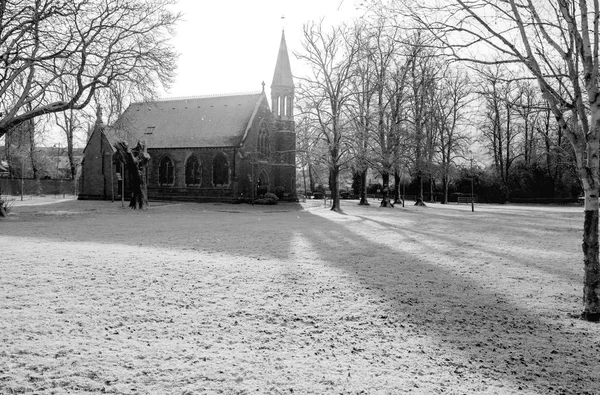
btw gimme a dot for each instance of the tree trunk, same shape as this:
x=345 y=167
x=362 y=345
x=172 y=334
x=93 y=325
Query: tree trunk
x=385 y=191
x=311 y=180
x=591 y=265
x=397 y=180
x=334 y=187
x=591 y=276
x=135 y=161
x=72 y=166
x=445 y=189
x=419 y=199
x=363 y=189
x=431 y=189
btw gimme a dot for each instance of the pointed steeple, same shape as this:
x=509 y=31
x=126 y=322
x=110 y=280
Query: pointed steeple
x=282 y=88
x=283 y=71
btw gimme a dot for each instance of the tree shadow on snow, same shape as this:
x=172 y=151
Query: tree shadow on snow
x=496 y=336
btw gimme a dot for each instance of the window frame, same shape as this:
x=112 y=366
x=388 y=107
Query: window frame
x=198 y=177
x=161 y=173
x=224 y=161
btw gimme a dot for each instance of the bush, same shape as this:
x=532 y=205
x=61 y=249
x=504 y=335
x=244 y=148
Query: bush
x=270 y=195
x=5 y=206
x=265 y=201
x=268 y=199
x=279 y=192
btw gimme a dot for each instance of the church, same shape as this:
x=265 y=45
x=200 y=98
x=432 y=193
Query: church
x=215 y=148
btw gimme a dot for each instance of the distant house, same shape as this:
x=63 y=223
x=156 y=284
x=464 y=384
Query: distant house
x=212 y=148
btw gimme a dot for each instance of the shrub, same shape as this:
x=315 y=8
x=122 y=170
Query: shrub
x=265 y=201
x=268 y=199
x=270 y=195
x=279 y=192
x=5 y=206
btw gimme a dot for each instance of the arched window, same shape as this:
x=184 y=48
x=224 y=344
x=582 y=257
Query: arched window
x=263 y=141
x=166 y=174
x=289 y=106
x=220 y=170
x=285 y=105
x=192 y=171
x=279 y=105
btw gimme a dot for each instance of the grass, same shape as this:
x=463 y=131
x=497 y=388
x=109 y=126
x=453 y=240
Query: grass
x=293 y=298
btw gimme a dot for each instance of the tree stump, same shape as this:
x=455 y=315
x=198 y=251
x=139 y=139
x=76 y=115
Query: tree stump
x=135 y=161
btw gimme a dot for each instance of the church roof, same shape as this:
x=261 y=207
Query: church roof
x=283 y=70
x=212 y=121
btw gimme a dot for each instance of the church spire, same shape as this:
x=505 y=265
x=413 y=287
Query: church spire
x=282 y=88
x=283 y=71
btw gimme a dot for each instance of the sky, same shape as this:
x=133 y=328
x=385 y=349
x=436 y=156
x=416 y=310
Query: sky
x=231 y=46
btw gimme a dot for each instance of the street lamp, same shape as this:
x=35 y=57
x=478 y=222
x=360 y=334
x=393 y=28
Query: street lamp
x=57 y=167
x=472 y=176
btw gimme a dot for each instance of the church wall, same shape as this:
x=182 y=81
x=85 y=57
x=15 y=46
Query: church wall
x=98 y=179
x=279 y=165
x=206 y=191
x=250 y=167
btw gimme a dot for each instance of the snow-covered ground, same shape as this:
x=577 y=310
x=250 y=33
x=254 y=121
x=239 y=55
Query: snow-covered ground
x=235 y=299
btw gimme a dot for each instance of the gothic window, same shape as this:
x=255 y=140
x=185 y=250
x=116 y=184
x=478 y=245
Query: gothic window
x=220 y=170
x=285 y=105
x=263 y=141
x=166 y=174
x=279 y=105
x=192 y=171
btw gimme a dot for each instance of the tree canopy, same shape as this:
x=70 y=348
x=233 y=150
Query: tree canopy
x=55 y=55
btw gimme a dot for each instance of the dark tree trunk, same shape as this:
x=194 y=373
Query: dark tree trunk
x=397 y=188
x=385 y=191
x=431 y=189
x=334 y=174
x=445 y=189
x=311 y=180
x=591 y=264
x=419 y=199
x=363 y=189
x=135 y=161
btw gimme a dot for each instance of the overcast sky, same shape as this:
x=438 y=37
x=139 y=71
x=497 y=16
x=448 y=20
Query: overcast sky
x=231 y=46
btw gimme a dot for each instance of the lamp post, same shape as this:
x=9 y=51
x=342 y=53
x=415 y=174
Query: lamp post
x=57 y=167
x=472 y=177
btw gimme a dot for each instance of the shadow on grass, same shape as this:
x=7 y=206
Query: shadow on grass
x=471 y=243
x=497 y=338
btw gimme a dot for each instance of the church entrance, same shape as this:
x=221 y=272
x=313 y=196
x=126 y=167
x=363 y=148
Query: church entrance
x=262 y=186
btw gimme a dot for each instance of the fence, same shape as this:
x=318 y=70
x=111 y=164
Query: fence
x=29 y=186
x=466 y=199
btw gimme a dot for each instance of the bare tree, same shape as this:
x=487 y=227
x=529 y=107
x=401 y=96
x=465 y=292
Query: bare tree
x=325 y=92
x=360 y=111
x=422 y=76
x=72 y=123
x=86 y=45
x=557 y=44
x=390 y=75
x=499 y=131
x=451 y=113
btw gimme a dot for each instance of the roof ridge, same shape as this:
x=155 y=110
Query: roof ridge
x=163 y=99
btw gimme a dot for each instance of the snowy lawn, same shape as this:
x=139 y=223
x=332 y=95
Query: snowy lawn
x=293 y=299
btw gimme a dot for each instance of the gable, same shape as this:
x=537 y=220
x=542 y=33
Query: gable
x=217 y=121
